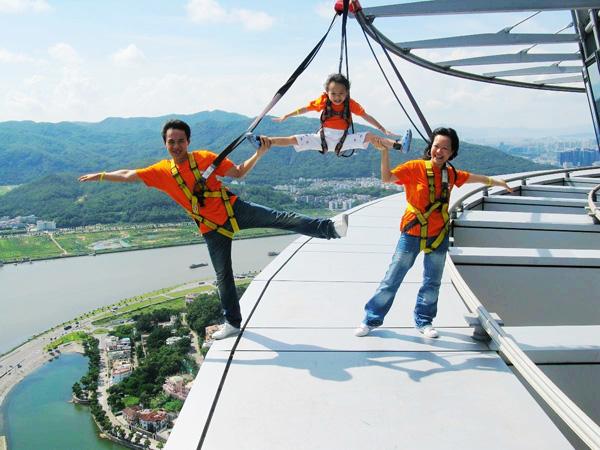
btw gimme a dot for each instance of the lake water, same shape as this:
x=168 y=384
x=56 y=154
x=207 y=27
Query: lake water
x=37 y=414
x=36 y=297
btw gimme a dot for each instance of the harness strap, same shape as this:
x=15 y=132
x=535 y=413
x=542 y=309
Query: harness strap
x=193 y=198
x=326 y=114
x=421 y=218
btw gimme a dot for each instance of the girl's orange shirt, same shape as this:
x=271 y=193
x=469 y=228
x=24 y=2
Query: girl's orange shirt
x=413 y=175
x=159 y=176
x=335 y=122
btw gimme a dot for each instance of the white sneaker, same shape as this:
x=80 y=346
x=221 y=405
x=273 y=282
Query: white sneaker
x=341 y=225
x=362 y=330
x=429 y=331
x=225 y=330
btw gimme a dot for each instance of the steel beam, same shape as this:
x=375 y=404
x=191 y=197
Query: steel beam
x=512 y=58
x=548 y=70
x=475 y=6
x=490 y=39
x=575 y=79
x=421 y=62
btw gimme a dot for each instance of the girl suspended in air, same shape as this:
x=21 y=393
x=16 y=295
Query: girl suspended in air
x=336 y=109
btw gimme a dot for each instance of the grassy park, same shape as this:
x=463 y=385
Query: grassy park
x=107 y=240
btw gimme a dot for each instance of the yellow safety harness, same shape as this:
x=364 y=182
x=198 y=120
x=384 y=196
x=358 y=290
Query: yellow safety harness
x=200 y=193
x=440 y=203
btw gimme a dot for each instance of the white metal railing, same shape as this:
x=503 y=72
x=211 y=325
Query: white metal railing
x=594 y=211
x=587 y=430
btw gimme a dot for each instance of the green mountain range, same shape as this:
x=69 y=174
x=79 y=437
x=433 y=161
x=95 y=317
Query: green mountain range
x=46 y=159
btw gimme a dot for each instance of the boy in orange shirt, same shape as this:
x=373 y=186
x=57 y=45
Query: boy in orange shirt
x=336 y=109
x=217 y=211
x=427 y=183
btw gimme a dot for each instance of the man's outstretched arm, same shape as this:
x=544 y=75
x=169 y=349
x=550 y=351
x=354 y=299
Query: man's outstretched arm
x=117 y=176
x=242 y=169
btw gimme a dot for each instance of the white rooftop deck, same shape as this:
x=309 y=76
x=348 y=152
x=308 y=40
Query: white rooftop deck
x=298 y=378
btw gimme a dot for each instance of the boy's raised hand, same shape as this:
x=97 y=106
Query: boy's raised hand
x=278 y=119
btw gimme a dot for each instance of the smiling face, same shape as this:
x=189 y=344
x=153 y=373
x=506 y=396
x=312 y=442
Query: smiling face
x=177 y=144
x=441 y=150
x=337 y=93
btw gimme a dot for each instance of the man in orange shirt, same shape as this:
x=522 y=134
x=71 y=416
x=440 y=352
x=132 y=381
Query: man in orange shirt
x=427 y=183
x=337 y=108
x=218 y=213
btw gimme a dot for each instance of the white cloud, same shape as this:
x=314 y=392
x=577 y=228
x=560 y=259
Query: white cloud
x=211 y=11
x=9 y=57
x=325 y=10
x=65 y=53
x=34 y=80
x=19 y=6
x=129 y=56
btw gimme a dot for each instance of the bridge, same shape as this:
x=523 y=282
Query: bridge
x=298 y=378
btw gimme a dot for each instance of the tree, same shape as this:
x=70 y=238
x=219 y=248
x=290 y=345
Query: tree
x=77 y=390
x=147 y=443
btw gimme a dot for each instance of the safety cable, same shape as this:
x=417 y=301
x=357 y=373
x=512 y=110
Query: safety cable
x=508 y=29
x=280 y=93
x=344 y=49
x=408 y=93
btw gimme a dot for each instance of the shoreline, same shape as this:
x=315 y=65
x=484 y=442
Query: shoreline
x=31 y=359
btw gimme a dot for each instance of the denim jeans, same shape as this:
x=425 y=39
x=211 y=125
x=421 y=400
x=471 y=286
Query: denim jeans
x=403 y=259
x=251 y=215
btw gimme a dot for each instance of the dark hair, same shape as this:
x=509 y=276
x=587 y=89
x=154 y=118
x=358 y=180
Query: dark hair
x=337 y=78
x=176 y=124
x=442 y=131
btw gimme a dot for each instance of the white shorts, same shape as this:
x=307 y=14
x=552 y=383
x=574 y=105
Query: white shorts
x=332 y=137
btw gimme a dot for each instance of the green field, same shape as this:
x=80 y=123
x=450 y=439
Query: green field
x=82 y=243
x=32 y=247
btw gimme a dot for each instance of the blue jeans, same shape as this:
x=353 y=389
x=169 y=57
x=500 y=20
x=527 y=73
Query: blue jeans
x=403 y=259
x=251 y=215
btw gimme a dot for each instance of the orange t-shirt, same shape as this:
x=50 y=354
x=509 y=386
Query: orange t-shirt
x=335 y=122
x=159 y=176
x=413 y=175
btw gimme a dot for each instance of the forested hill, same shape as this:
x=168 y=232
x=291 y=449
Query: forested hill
x=47 y=159
x=30 y=150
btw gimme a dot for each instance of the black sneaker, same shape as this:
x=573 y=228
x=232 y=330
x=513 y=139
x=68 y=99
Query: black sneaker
x=404 y=144
x=254 y=140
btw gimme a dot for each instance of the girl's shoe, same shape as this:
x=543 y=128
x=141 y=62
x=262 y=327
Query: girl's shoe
x=254 y=140
x=404 y=144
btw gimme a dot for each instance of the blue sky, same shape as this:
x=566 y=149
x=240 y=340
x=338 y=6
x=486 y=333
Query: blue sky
x=85 y=61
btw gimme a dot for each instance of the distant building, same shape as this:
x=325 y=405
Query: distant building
x=178 y=387
x=120 y=373
x=153 y=420
x=189 y=298
x=42 y=225
x=173 y=340
x=131 y=414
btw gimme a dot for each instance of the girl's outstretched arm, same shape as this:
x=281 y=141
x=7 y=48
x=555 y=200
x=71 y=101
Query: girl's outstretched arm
x=370 y=119
x=299 y=111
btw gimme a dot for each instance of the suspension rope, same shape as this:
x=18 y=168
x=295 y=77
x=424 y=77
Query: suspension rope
x=344 y=50
x=404 y=85
x=280 y=93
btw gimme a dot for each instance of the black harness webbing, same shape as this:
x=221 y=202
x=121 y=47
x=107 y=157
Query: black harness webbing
x=280 y=93
x=344 y=114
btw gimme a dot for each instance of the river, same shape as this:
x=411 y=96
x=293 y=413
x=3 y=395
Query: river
x=37 y=414
x=36 y=297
